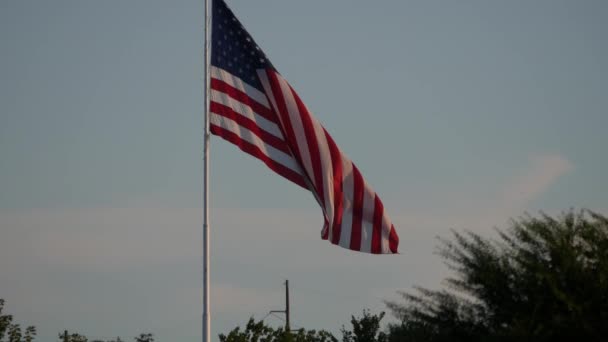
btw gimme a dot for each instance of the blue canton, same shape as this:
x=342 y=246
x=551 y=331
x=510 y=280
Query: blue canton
x=233 y=49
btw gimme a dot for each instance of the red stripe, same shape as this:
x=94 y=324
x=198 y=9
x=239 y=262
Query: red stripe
x=256 y=152
x=377 y=227
x=355 y=237
x=336 y=161
x=288 y=131
x=325 y=231
x=242 y=97
x=313 y=148
x=227 y=112
x=283 y=114
x=393 y=240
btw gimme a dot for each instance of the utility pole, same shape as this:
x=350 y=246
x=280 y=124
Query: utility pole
x=286 y=311
x=287 y=325
x=65 y=336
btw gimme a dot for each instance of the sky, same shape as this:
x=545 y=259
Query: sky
x=461 y=114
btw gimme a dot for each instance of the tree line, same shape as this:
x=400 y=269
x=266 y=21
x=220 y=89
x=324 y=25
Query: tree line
x=12 y=332
x=543 y=278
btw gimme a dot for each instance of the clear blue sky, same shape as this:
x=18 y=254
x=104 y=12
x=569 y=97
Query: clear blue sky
x=461 y=115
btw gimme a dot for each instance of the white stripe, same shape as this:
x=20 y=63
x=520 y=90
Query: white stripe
x=246 y=111
x=266 y=84
x=327 y=172
x=239 y=84
x=386 y=229
x=298 y=127
x=245 y=134
x=367 y=224
x=348 y=189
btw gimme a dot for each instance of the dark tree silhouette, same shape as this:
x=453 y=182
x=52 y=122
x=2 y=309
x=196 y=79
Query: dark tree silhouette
x=543 y=279
x=365 y=329
x=147 y=337
x=260 y=332
x=74 y=337
x=12 y=332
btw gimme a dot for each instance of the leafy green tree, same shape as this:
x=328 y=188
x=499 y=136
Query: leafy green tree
x=11 y=332
x=365 y=329
x=302 y=335
x=543 y=279
x=260 y=332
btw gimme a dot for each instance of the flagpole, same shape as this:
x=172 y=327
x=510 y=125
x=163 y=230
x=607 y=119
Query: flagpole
x=206 y=306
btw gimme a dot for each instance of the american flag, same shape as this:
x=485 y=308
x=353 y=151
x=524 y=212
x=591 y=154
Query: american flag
x=253 y=107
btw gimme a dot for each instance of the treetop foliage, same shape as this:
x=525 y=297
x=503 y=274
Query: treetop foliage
x=12 y=332
x=260 y=332
x=543 y=278
x=365 y=329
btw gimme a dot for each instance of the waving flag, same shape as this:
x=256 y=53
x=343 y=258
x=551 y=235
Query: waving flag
x=253 y=107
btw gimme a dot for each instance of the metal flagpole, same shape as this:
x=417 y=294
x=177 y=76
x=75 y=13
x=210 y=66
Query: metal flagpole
x=206 y=310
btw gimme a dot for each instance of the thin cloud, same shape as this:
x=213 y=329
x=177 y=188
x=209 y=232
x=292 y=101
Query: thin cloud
x=543 y=172
x=114 y=238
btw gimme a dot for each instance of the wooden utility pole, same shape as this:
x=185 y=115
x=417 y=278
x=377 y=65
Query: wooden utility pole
x=287 y=325
x=286 y=311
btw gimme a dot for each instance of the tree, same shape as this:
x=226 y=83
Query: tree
x=145 y=338
x=13 y=331
x=365 y=329
x=260 y=332
x=544 y=278
x=78 y=338
x=74 y=337
x=117 y=339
